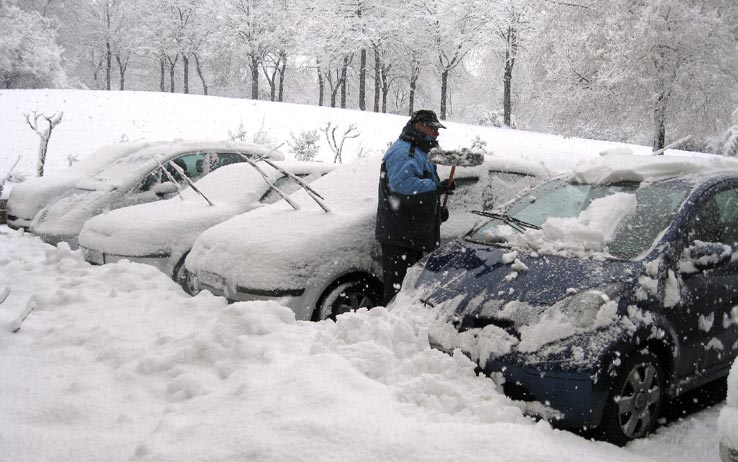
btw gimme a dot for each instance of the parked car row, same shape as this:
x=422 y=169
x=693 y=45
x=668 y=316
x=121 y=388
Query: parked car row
x=145 y=175
x=601 y=292
x=322 y=264
x=162 y=233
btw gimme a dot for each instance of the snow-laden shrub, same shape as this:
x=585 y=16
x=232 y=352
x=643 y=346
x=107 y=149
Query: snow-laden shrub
x=260 y=136
x=305 y=145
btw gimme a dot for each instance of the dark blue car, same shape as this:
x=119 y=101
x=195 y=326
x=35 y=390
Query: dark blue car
x=601 y=295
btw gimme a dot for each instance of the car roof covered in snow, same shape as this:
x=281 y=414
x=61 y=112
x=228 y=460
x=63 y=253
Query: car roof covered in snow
x=134 y=166
x=617 y=168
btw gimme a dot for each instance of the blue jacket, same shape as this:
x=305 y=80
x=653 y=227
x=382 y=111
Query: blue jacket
x=408 y=205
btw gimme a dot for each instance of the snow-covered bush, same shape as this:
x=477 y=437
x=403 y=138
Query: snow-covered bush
x=305 y=145
x=495 y=119
x=260 y=136
x=336 y=144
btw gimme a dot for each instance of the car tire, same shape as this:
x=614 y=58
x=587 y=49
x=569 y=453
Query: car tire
x=184 y=278
x=344 y=297
x=635 y=400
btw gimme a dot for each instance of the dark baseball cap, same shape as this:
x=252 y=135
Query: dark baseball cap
x=426 y=117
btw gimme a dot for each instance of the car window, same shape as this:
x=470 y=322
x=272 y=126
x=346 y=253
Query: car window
x=192 y=164
x=717 y=219
x=656 y=205
x=504 y=186
x=227 y=158
x=285 y=184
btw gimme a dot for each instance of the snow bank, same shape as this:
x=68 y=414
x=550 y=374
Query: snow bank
x=116 y=363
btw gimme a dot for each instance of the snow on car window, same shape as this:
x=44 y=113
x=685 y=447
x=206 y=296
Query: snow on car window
x=621 y=220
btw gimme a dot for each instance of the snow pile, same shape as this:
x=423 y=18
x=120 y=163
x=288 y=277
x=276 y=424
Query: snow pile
x=589 y=232
x=616 y=168
x=728 y=421
x=116 y=363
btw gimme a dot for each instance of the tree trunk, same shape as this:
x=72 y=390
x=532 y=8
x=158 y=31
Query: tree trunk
x=108 y=65
x=507 y=89
x=122 y=71
x=414 y=75
x=659 y=119
x=171 y=78
x=377 y=78
x=344 y=81
x=444 y=93
x=122 y=66
x=162 y=80
x=200 y=74
x=282 y=70
x=254 y=77
x=186 y=73
x=321 y=85
x=362 y=80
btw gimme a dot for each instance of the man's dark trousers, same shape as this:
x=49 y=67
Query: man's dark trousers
x=395 y=262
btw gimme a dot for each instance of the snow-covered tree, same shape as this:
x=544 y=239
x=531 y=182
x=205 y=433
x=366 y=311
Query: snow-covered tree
x=611 y=67
x=456 y=28
x=729 y=142
x=109 y=32
x=43 y=125
x=29 y=54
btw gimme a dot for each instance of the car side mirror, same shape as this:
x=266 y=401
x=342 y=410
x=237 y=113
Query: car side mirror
x=167 y=187
x=703 y=256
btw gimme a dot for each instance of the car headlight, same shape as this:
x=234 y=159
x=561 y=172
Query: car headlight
x=412 y=277
x=594 y=307
x=577 y=314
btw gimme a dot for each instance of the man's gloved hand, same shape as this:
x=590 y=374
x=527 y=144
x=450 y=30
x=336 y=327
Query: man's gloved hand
x=446 y=186
x=444 y=214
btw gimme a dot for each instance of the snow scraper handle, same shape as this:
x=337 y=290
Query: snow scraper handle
x=450 y=181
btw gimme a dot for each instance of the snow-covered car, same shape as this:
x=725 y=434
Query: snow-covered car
x=321 y=264
x=728 y=420
x=150 y=174
x=598 y=296
x=27 y=198
x=161 y=233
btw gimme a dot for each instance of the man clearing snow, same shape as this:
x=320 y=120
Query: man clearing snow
x=409 y=213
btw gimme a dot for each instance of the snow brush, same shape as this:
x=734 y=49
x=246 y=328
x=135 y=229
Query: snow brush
x=463 y=157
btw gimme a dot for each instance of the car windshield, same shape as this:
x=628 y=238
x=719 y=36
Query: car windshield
x=555 y=205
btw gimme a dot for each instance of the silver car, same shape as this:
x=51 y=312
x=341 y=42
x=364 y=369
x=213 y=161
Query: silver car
x=320 y=263
x=151 y=174
x=27 y=198
x=161 y=233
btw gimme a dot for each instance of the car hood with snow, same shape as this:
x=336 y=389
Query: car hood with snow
x=171 y=226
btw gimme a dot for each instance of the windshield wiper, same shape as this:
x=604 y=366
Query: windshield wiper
x=515 y=223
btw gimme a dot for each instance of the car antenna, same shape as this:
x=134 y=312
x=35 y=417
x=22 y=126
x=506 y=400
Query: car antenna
x=169 y=175
x=189 y=181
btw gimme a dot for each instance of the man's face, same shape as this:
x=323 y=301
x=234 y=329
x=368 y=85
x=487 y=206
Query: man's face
x=426 y=130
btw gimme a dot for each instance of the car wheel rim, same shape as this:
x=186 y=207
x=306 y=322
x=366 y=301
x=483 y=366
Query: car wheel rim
x=638 y=400
x=350 y=301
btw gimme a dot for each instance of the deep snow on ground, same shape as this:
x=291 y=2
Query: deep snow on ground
x=117 y=363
